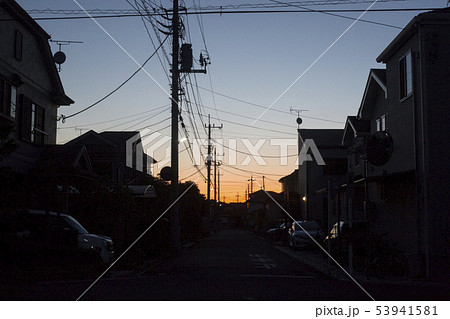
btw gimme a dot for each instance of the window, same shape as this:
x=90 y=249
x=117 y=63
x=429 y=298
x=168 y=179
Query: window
x=32 y=121
x=13 y=102
x=405 y=65
x=381 y=123
x=18 y=45
x=37 y=124
x=8 y=98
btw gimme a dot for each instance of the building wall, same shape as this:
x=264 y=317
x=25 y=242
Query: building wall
x=419 y=213
x=395 y=214
x=435 y=58
x=33 y=69
x=399 y=114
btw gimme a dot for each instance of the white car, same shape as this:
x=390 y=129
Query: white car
x=103 y=245
x=301 y=236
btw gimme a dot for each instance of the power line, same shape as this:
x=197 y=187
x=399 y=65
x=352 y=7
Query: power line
x=113 y=120
x=64 y=117
x=222 y=12
x=250 y=154
x=247 y=126
x=209 y=7
x=265 y=107
x=341 y=16
x=251 y=172
x=143 y=19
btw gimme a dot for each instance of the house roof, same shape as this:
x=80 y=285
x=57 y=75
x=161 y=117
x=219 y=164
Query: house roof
x=322 y=137
x=354 y=127
x=105 y=141
x=375 y=82
x=117 y=137
x=291 y=175
x=21 y=16
x=436 y=16
x=93 y=137
x=261 y=196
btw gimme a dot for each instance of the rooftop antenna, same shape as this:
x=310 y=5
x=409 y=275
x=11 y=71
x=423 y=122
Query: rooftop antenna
x=298 y=111
x=60 y=57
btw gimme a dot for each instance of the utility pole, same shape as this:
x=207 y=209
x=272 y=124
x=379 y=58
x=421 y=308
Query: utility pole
x=299 y=183
x=215 y=177
x=174 y=212
x=186 y=67
x=264 y=185
x=209 y=157
x=251 y=187
x=237 y=198
x=218 y=183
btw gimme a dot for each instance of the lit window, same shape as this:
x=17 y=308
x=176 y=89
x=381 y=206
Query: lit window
x=8 y=98
x=13 y=105
x=405 y=76
x=383 y=123
x=378 y=125
x=37 y=124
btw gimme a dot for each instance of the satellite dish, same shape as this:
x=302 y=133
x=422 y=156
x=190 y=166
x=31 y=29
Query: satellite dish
x=379 y=148
x=299 y=120
x=59 y=57
x=166 y=173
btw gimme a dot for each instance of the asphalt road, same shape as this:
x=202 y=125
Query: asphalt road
x=229 y=265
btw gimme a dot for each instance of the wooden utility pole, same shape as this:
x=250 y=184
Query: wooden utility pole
x=174 y=212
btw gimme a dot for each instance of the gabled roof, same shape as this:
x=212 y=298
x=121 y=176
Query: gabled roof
x=105 y=141
x=375 y=82
x=93 y=137
x=354 y=127
x=435 y=16
x=322 y=137
x=294 y=174
x=21 y=16
x=118 y=138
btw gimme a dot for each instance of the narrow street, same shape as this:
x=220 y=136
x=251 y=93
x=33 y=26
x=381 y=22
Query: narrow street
x=229 y=265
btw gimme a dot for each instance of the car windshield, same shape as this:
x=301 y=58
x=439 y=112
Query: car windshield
x=73 y=223
x=306 y=226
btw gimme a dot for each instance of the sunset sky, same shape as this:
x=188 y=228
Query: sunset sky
x=312 y=61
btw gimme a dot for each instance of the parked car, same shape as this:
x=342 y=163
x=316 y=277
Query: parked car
x=340 y=237
x=39 y=223
x=300 y=233
x=278 y=233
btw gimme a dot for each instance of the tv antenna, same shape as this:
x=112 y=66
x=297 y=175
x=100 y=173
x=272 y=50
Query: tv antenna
x=298 y=111
x=60 y=57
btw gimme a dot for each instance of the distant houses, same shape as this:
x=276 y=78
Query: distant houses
x=395 y=149
x=118 y=156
